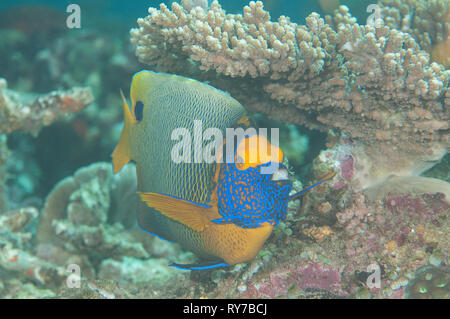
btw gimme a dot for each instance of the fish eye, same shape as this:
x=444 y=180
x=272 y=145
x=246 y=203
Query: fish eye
x=280 y=175
x=139 y=111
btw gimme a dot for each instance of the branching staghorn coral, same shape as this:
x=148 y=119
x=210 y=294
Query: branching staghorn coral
x=428 y=21
x=29 y=113
x=375 y=85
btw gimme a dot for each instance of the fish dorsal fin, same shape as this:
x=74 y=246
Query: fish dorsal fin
x=121 y=155
x=195 y=216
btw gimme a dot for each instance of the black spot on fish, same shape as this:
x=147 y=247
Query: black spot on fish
x=139 y=110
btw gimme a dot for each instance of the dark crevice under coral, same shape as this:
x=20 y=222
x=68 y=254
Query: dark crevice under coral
x=441 y=170
x=300 y=144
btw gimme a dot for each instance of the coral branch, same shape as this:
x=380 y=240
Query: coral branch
x=29 y=113
x=375 y=85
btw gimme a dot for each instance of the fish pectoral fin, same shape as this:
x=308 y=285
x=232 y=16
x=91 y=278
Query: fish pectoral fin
x=195 y=216
x=201 y=266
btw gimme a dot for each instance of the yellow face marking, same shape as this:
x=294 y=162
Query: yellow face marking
x=256 y=150
x=244 y=121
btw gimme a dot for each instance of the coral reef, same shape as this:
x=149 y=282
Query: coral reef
x=82 y=224
x=99 y=289
x=352 y=165
x=381 y=95
x=400 y=225
x=441 y=170
x=318 y=233
x=29 y=113
x=375 y=85
x=15 y=255
x=397 y=230
x=88 y=220
x=399 y=233
x=88 y=58
x=42 y=62
x=430 y=282
x=92 y=217
x=426 y=20
x=76 y=212
x=4 y=154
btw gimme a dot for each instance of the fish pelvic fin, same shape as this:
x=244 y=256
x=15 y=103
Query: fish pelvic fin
x=195 y=216
x=121 y=155
x=201 y=266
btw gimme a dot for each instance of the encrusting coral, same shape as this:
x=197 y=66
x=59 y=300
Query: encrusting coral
x=91 y=217
x=76 y=212
x=430 y=283
x=88 y=220
x=29 y=113
x=15 y=256
x=376 y=85
x=4 y=153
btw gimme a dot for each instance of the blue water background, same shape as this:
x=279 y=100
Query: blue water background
x=97 y=13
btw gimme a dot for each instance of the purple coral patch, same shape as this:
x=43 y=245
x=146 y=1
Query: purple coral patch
x=347 y=168
x=303 y=275
x=318 y=276
x=417 y=205
x=338 y=185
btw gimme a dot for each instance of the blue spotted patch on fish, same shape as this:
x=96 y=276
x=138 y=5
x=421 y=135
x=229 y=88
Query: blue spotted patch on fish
x=248 y=198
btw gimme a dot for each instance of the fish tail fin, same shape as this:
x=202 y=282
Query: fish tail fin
x=200 y=266
x=121 y=155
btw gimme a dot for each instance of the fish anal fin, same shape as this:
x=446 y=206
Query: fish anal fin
x=200 y=266
x=195 y=216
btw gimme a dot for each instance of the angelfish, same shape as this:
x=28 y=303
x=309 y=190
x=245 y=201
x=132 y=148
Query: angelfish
x=221 y=211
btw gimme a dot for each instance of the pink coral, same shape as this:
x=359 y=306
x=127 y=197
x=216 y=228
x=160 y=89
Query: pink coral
x=299 y=272
x=392 y=230
x=346 y=168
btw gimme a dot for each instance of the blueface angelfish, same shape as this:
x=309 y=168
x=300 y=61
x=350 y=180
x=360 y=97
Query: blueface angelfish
x=223 y=212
